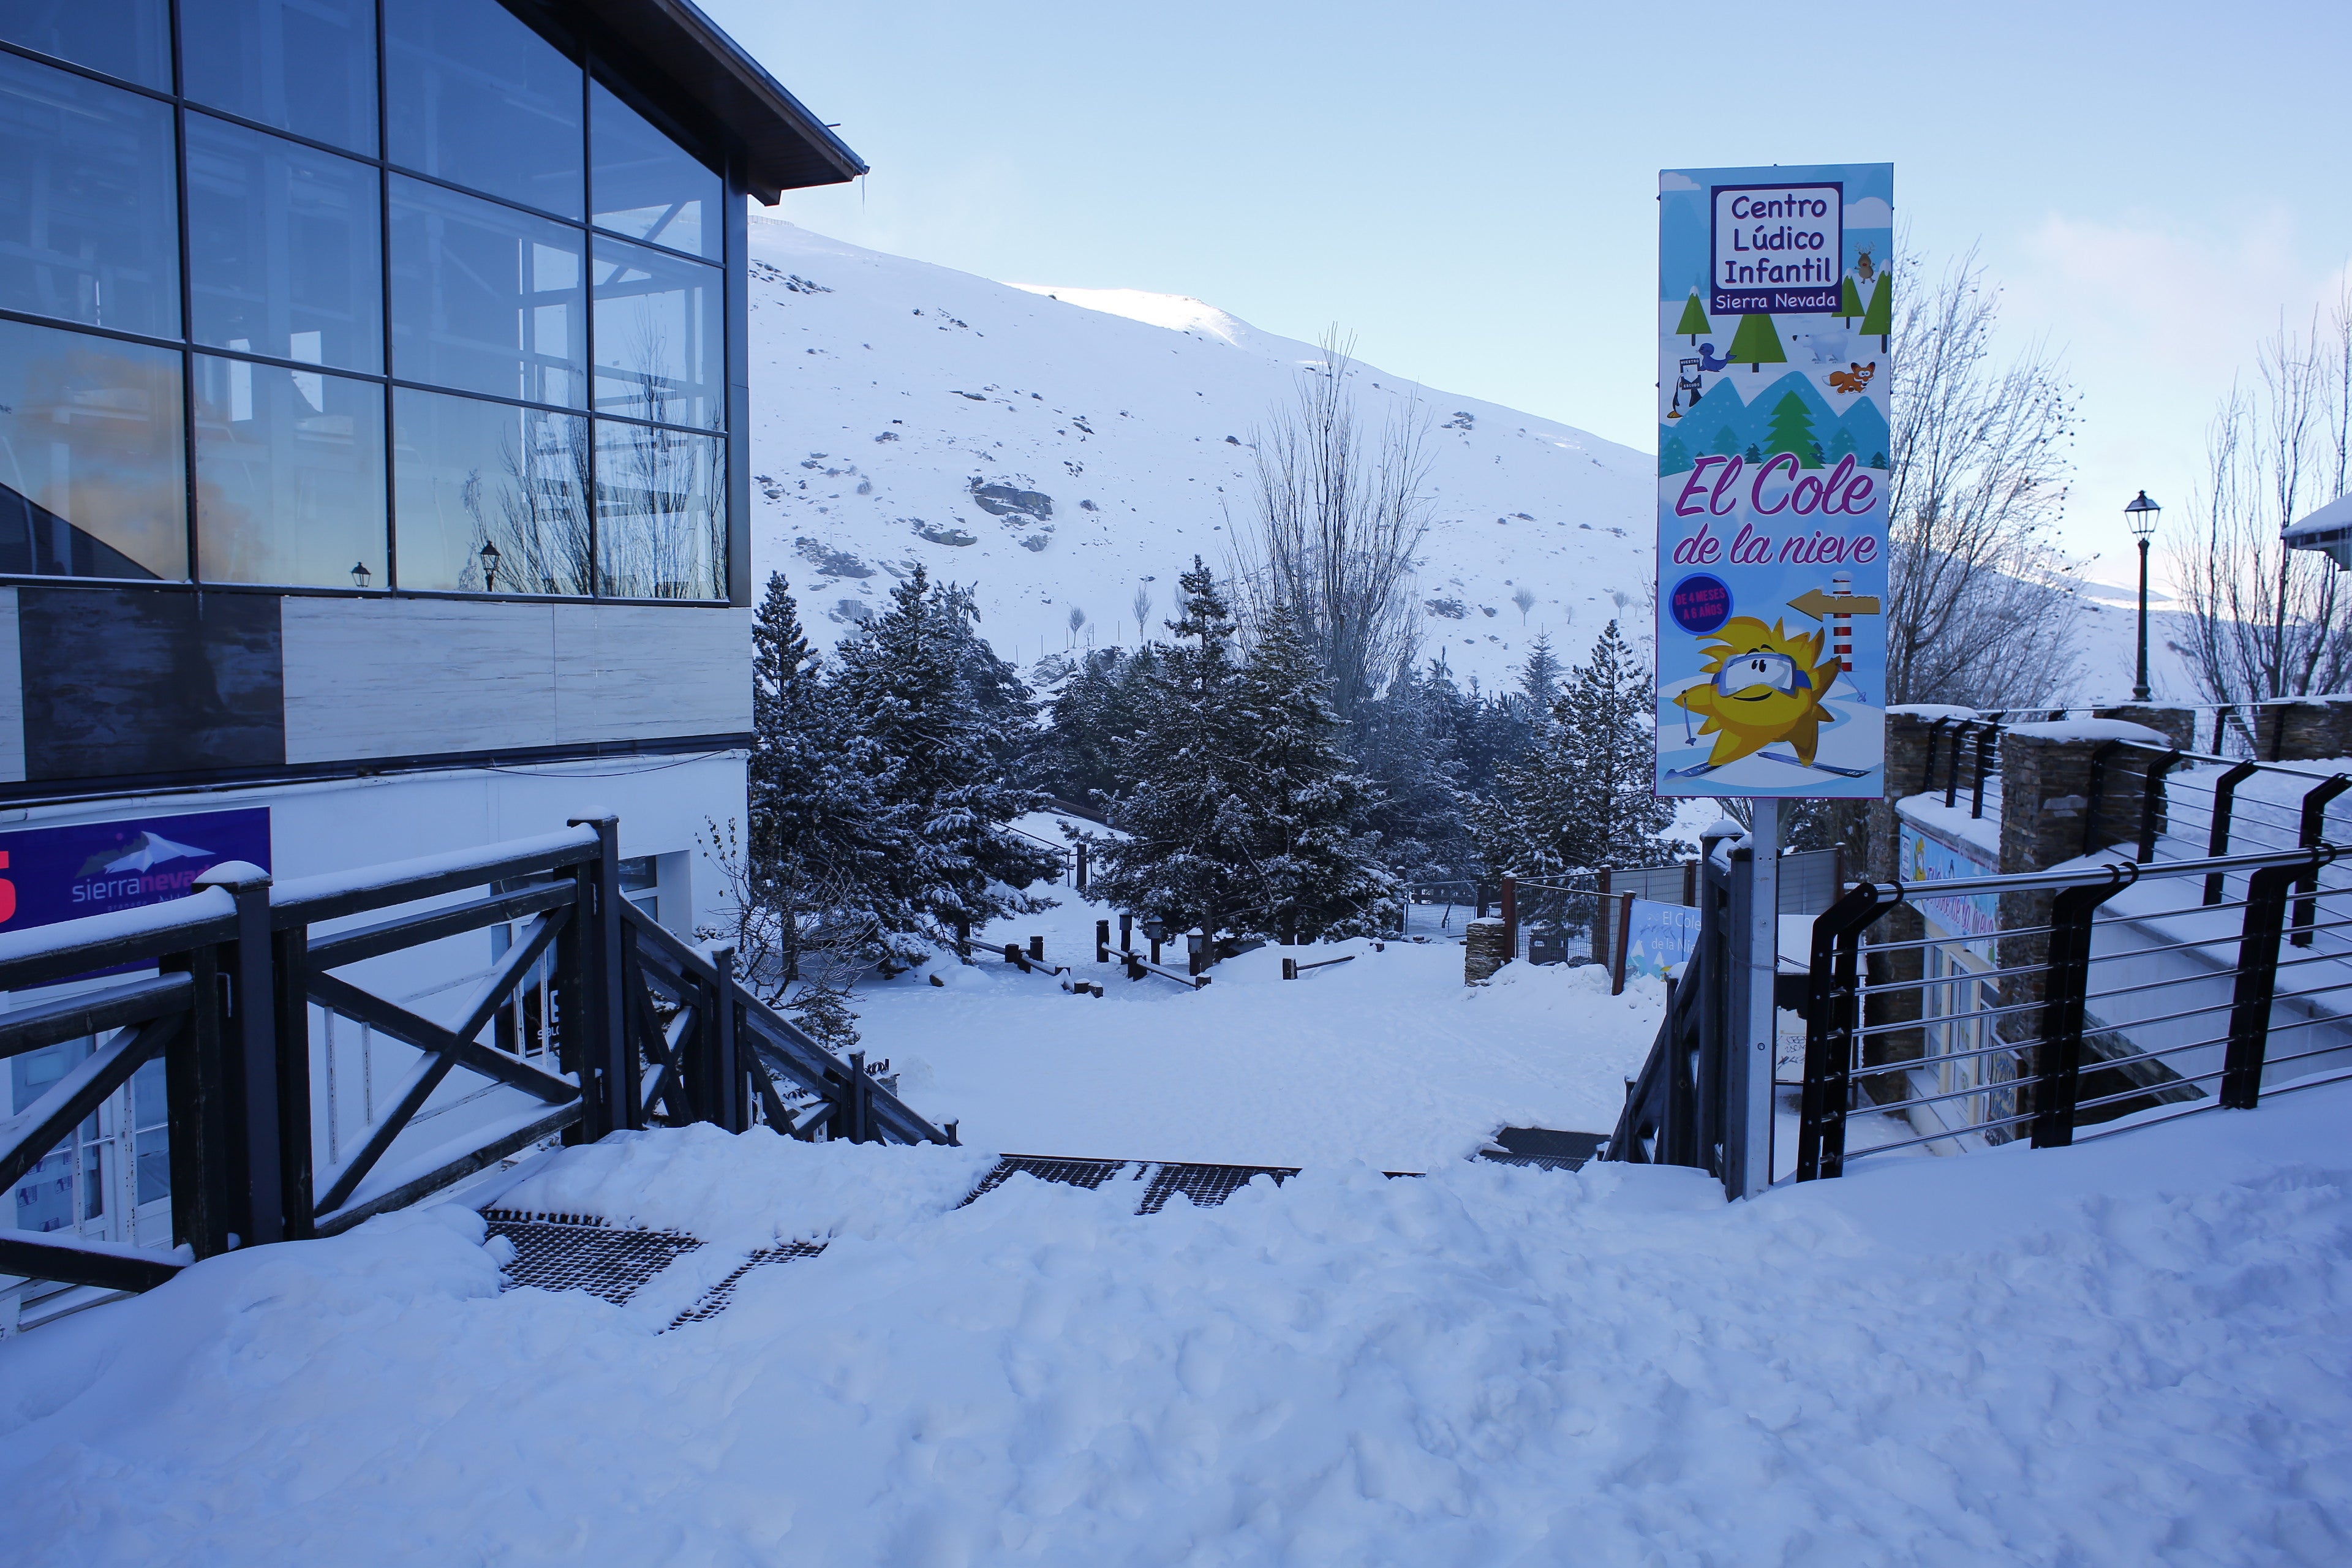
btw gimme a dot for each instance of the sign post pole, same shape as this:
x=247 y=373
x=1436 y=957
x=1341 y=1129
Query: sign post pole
x=1748 y=1113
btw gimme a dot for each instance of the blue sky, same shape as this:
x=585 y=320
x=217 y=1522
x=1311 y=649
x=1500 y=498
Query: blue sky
x=1470 y=188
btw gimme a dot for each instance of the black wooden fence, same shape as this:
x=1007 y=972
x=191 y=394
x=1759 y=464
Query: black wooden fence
x=637 y=1028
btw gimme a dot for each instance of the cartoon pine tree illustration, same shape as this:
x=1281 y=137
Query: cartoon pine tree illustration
x=1758 y=344
x=1841 y=444
x=1693 y=323
x=1878 y=321
x=1726 y=443
x=1673 y=455
x=1848 y=300
x=1792 y=431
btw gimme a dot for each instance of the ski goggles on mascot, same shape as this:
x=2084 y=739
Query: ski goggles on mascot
x=1771 y=671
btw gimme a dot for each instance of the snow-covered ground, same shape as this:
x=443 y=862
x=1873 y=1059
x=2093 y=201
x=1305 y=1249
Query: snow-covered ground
x=1387 y=1058
x=2129 y=1353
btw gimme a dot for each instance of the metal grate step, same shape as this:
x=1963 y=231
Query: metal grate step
x=1207 y=1185
x=1544 y=1149
x=721 y=1296
x=581 y=1252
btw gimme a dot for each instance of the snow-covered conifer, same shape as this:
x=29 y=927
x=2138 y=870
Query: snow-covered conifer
x=1582 y=794
x=1311 y=870
x=1181 y=810
x=930 y=706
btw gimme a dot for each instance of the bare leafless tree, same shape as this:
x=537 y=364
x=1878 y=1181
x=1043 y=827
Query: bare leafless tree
x=536 y=511
x=1340 y=514
x=1981 y=610
x=2264 y=621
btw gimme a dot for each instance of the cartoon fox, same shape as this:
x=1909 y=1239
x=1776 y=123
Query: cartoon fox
x=1854 y=378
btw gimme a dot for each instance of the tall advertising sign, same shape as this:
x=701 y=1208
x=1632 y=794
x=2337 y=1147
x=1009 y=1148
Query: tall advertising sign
x=1775 y=322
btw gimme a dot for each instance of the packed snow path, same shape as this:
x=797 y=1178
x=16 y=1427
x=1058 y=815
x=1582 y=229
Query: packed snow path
x=2128 y=1353
x=1389 y=1059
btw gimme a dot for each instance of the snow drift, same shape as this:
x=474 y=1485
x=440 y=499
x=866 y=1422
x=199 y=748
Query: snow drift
x=2128 y=1353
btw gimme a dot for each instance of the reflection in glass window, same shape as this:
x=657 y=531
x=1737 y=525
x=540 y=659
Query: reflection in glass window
x=467 y=474
x=49 y=1196
x=126 y=38
x=485 y=299
x=304 y=65
x=660 y=347
x=150 y=1132
x=93 y=479
x=661 y=512
x=476 y=97
x=283 y=253
x=89 y=210
x=647 y=186
x=290 y=475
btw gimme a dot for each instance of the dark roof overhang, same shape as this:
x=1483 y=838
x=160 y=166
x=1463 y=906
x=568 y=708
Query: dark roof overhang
x=785 y=147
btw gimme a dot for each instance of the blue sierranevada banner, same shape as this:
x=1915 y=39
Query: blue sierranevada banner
x=1775 y=322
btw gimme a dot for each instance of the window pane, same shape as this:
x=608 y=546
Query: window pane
x=467 y=473
x=485 y=299
x=283 y=251
x=153 y=1153
x=304 y=65
x=660 y=350
x=661 y=512
x=647 y=186
x=151 y=1103
x=479 y=99
x=290 y=475
x=89 y=203
x=128 y=38
x=93 y=478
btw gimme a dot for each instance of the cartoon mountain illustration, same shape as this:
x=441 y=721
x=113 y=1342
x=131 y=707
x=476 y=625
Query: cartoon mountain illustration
x=1789 y=414
x=141 y=853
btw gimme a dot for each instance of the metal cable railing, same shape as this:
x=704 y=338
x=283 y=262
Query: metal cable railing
x=2101 y=1005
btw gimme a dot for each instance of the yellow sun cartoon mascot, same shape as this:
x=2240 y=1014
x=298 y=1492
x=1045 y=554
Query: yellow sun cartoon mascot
x=1767 y=686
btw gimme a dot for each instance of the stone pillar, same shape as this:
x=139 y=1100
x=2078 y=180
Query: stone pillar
x=2295 y=730
x=2177 y=725
x=2341 y=707
x=1482 y=952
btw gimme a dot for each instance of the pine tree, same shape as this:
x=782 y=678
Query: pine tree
x=930 y=705
x=1841 y=444
x=1757 y=343
x=1182 y=812
x=1582 y=794
x=1848 y=300
x=1310 y=870
x=1539 y=676
x=1674 y=457
x=1726 y=443
x=1404 y=742
x=1607 y=710
x=817 y=830
x=1792 y=431
x=1693 y=323
x=1878 y=321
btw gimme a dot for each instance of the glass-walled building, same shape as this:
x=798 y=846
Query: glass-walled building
x=294 y=293
x=373 y=463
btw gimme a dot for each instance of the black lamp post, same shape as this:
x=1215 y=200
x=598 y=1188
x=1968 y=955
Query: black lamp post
x=359 y=574
x=2141 y=514
x=491 y=566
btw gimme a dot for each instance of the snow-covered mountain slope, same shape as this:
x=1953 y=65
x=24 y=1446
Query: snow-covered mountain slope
x=1061 y=453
